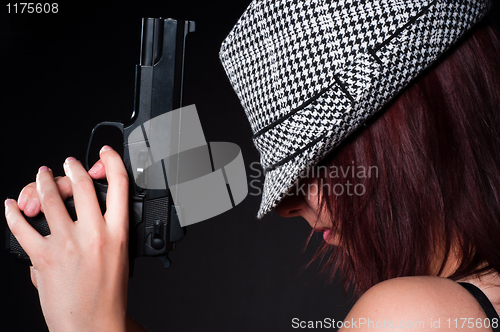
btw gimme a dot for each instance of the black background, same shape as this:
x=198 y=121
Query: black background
x=64 y=73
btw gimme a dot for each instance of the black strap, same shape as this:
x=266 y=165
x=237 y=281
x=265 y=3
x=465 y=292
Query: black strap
x=485 y=304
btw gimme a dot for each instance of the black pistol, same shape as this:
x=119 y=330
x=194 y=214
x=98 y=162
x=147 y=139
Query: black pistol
x=154 y=225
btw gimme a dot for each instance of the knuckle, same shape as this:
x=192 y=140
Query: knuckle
x=43 y=260
x=62 y=180
x=28 y=189
x=122 y=241
x=120 y=235
x=49 y=198
x=64 y=185
x=96 y=242
x=30 y=186
x=70 y=247
x=64 y=250
x=84 y=184
x=121 y=180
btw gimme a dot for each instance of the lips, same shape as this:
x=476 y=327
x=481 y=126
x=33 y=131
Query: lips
x=326 y=234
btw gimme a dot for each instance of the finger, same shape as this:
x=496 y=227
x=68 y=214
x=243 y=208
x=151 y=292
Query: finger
x=33 y=207
x=64 y=186
x=26 y=235
x=29 y=202
x=98 y=171
x=86 y=204
x=55 y=211
x=117 y=196
x=25 y=195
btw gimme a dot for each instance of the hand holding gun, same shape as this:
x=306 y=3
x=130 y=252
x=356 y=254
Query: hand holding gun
x=154 y=225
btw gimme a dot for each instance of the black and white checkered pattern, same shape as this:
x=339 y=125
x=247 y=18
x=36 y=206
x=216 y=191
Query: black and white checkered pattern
x=308 y=73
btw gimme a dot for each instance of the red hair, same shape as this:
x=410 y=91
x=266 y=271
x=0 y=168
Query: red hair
x=436 y=148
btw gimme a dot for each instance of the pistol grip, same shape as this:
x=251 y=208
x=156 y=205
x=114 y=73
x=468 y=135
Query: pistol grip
x=40 y=224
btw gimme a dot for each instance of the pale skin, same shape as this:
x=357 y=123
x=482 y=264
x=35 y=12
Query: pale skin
x=81 y=269
x=83 y=288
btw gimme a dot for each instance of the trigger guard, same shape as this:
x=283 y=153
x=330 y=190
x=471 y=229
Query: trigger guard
x=118 y=125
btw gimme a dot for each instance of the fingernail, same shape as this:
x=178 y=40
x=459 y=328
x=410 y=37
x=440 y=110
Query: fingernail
x=8 y=202
x=69 y=159
x=32 y=204
x=22 y=200
x=43 y=169
x=96 y=168
x=105 y=148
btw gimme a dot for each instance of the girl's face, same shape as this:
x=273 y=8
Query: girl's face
x=307 y=207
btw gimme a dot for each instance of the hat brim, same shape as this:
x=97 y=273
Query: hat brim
x=284 y=176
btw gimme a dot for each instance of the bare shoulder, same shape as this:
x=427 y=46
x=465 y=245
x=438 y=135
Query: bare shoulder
x=425 y=303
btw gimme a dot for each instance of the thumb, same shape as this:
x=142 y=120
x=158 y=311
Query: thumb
x=33 y=276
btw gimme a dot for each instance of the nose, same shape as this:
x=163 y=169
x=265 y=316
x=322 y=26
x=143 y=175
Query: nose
x=291 y=206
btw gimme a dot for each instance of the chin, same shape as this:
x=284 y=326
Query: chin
x=334 y=241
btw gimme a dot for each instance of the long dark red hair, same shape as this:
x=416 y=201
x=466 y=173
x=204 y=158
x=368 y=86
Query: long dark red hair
x=437 y=152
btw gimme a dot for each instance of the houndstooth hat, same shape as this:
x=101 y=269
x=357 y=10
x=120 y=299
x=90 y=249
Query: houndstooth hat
x=308 y=73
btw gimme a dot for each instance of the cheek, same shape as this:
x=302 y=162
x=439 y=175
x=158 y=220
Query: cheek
x=313 y=194
x=313 y=199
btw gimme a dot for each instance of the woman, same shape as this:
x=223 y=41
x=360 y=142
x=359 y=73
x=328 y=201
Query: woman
x=430 y=213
